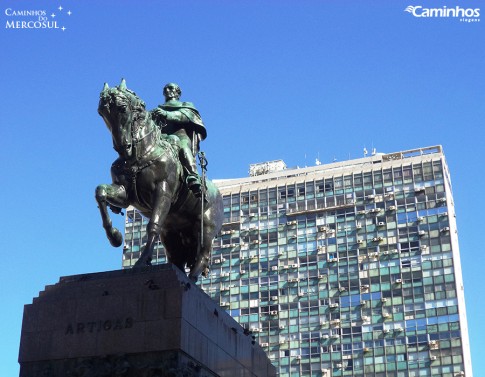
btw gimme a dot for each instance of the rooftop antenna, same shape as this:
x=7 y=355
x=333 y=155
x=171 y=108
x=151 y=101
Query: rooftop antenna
x=365 y=152
x=317 y=160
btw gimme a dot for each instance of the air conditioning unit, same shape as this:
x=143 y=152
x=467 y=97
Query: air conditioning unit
x=264 y=344
x=432 y=358
x=366 y=349
x=443 y=214
x=418 y=189
x=360 y=241
x=375 y=210
x=423 y=247
x=274 y=298
x=224 y=303
x=333 y=306
x=342 y=289
x=322 y=229
x=363 y=302
x=294 y=265
x=301 y=294
x=441 y=200
x=391 y=208
x=255 y=242
x=383 y=299
x=291 y=222
x=445 y=229
x=274 y=312
x=242 y=272
x=359 y=226
x=398 y=281
x=225 y=274
x=255 y=329
x=282 y=327
x=381 y=223
x=282 y=341
x=361 y=212
x=377 y=239
x=323 y=323
x=370 y=197
x=386 y=331
x=365 y=318
x=335 y=336
x=364 y=287
x=386 y=315
x=421 y=233
x=387 y=252
x=339 y=365
x=398 y=329
x=420 y=218
x=322 y=276
x=242 y=258
x=217 y=261
x=335 y=321
x=326 y=336
x=294 y=280
x=274 y=268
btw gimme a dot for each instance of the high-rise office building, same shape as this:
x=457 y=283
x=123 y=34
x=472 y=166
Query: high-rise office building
x=344 y=269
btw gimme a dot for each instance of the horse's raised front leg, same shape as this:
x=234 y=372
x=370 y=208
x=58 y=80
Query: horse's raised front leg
x=161 y=205
x=116 y=196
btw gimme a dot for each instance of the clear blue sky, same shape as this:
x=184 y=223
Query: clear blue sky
x=292 y=80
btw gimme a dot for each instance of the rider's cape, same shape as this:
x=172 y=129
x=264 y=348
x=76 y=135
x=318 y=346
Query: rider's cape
x=187 y=109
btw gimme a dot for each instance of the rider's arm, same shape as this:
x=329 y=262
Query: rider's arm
x=172 y=116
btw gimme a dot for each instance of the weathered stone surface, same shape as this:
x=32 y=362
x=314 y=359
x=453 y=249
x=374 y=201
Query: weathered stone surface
x=146 y=322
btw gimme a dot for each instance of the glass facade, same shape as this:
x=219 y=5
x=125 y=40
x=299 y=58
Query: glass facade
x=346 y=269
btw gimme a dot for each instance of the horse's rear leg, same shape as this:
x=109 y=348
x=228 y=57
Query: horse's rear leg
x=115 y=195
x=161 y=206
x=201 y=265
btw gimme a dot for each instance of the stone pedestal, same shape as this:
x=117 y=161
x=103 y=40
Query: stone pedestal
x=151 y=322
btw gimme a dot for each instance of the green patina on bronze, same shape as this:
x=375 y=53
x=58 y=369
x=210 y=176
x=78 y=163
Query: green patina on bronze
x=157 y=174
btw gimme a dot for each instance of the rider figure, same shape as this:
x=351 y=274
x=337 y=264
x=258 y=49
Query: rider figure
x=182 y=119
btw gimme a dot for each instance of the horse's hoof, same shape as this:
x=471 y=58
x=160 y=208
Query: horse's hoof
x=140 y=263
x=115 y=237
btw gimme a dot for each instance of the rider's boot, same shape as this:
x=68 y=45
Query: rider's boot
x=192 y=179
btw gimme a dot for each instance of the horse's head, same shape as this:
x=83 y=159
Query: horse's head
x=119 y=106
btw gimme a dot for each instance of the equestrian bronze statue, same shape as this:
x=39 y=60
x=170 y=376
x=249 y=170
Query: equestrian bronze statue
x=149 y=176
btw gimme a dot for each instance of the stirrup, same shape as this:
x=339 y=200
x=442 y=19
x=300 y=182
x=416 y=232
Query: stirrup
x=194 y=184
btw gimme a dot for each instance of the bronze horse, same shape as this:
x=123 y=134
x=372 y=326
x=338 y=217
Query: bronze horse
x=149 y=176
